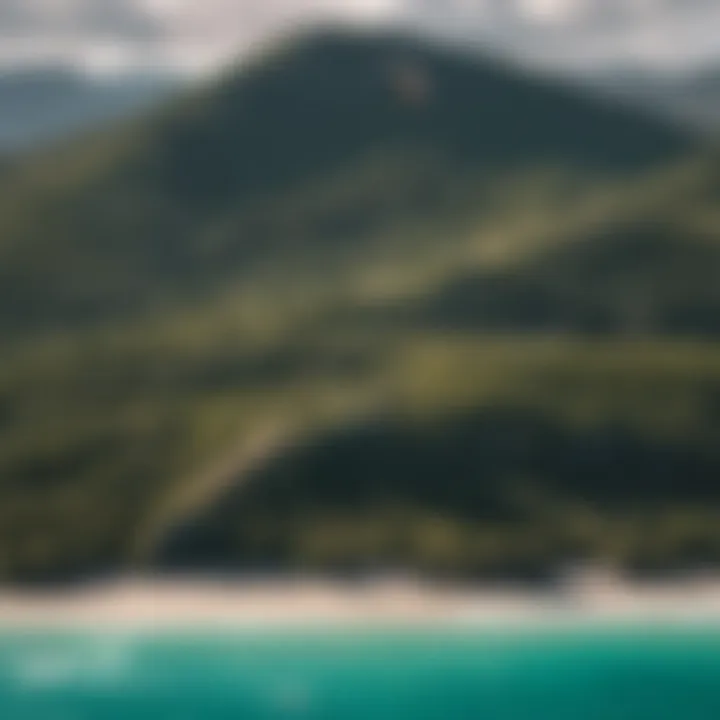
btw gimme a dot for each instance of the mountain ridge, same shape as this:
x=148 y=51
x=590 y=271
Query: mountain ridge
x=325 y=102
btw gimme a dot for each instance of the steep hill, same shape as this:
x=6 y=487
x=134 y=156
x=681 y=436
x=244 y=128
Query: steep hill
x=381 y=255
x=552 y=397
x=335 y=135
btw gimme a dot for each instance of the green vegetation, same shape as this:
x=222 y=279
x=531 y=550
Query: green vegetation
x=364 y=302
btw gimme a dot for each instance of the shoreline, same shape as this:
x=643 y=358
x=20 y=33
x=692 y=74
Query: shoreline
x=157 y=605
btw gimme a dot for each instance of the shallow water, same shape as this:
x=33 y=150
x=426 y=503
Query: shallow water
x=593 y=674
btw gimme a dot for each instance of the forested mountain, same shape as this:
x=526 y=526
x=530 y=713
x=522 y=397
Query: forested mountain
x=363 y=301
x=246 y=171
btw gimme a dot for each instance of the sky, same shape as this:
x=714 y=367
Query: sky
x=198 y=35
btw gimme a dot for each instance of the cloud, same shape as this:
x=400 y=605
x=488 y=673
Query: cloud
x=552 y=11
x=199 y=34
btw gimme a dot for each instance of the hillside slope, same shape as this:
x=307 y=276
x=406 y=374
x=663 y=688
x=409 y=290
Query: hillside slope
x=358 y=235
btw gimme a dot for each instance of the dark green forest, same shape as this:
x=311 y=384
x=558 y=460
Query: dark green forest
x=362 y=302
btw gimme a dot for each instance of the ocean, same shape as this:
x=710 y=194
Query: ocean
x=600 y=673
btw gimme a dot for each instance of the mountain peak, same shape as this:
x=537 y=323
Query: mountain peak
x=333 y=95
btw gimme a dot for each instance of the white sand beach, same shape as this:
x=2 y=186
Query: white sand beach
x=157 y=604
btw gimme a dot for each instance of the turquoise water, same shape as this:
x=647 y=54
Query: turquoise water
x=608 y=674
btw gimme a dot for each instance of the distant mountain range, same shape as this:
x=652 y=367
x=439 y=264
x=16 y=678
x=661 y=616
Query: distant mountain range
x=364 y=301
x=691 y=98
x=39 y=106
